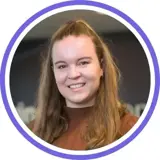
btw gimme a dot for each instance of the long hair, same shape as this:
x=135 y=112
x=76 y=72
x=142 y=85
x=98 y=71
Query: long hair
x=104 y=123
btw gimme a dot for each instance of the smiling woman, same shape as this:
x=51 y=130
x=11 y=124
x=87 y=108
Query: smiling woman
x=78 y=106
x=77 y=70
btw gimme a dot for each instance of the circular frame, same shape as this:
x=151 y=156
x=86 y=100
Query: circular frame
x=153 y=57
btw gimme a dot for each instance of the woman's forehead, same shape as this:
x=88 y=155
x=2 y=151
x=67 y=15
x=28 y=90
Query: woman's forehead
x=72 y=47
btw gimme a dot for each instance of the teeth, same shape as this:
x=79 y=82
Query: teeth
x=76 y=85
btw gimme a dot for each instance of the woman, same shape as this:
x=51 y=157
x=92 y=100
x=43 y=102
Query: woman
x=78 y=107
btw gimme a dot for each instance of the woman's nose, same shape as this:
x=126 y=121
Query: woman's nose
x=73 y=73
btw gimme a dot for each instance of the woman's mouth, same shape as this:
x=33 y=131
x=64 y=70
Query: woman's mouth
x=76 y=86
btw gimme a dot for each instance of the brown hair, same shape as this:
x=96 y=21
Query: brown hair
x=104 y=123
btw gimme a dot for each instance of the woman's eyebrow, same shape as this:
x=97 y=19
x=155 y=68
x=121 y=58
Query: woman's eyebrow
x=59 y=62
x=85 y=58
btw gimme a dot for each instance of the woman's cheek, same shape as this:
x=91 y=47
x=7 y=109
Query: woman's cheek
x=60 y=77
x=90 y=73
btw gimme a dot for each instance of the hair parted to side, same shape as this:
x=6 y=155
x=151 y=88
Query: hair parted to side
x=104 y=123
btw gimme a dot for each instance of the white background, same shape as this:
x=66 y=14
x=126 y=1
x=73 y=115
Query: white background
x=13 y=145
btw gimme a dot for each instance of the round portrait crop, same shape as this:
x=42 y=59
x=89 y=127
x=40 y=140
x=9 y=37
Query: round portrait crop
x=76 y=80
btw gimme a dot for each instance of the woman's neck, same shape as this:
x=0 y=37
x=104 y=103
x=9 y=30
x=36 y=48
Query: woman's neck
x=78 y=113
x=85 y=104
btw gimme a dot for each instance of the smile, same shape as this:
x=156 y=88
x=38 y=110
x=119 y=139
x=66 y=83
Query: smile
x=73 y=86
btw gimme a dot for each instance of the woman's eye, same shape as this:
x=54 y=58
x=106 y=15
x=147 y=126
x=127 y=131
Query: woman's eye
x=61 y=66
x=84 y=63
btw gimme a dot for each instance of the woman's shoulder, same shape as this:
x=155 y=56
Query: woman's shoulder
x=127 y=122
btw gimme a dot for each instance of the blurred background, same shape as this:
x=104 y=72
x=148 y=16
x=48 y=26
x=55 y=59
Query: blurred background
x=126 y=49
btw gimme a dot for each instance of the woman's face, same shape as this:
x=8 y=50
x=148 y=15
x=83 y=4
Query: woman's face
x=77 y=70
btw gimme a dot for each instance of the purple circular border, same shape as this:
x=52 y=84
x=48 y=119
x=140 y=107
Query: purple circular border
x=134 y=25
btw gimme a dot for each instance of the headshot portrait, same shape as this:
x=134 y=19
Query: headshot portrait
x=80 y=80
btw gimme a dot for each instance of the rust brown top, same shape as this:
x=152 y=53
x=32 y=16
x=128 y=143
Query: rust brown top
x=72 y=140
